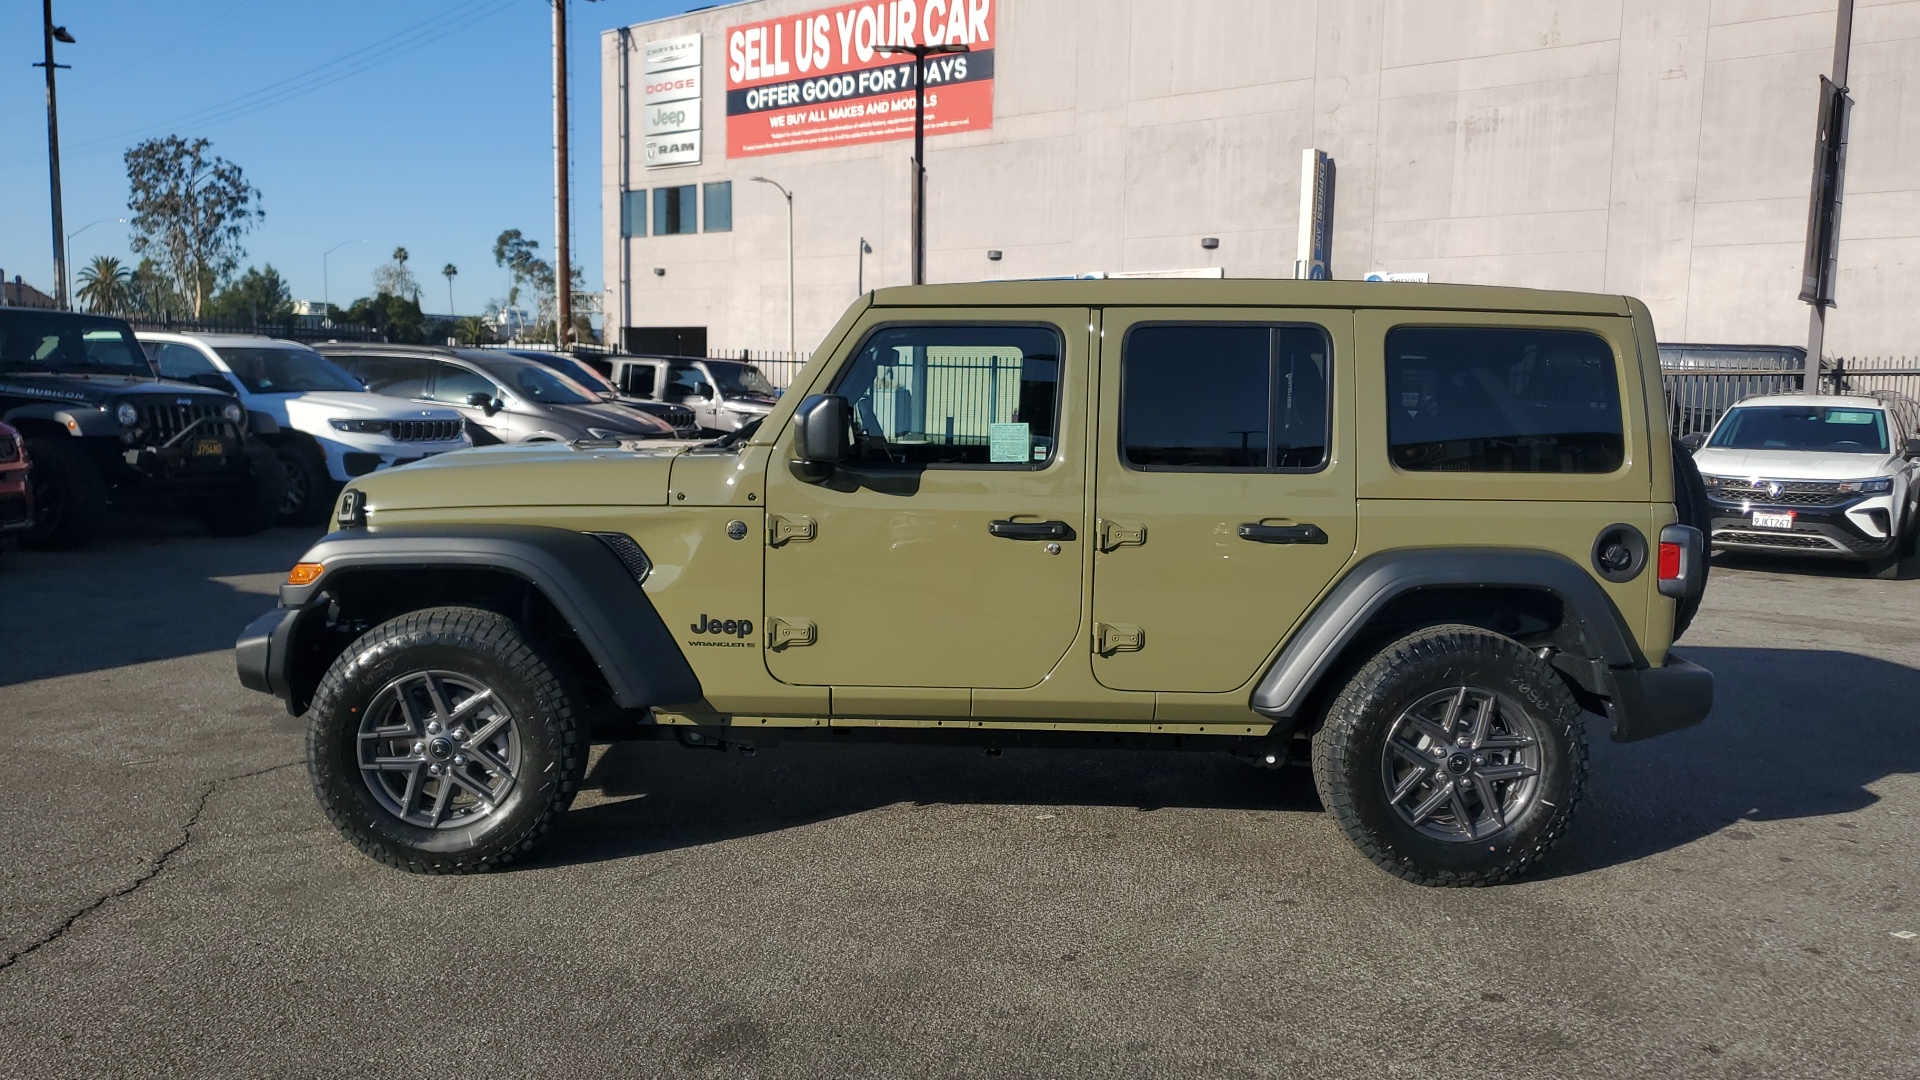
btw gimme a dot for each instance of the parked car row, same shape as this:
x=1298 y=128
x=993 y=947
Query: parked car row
x=1831 y=476
x=246 y=431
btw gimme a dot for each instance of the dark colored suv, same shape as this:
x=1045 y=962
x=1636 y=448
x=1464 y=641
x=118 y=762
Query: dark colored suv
x=101 y=428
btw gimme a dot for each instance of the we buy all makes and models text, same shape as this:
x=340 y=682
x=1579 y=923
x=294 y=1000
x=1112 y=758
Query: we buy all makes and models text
x=818 y=79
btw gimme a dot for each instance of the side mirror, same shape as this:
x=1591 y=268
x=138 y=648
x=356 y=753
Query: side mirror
x=704 y=389
x=1913 y=448
x=1693 y=442
x=822 y=428
x=212 y=380
x=484 y=402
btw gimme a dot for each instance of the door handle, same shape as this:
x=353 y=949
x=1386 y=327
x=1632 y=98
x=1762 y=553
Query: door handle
x=1030 y=530
x=1282 y=534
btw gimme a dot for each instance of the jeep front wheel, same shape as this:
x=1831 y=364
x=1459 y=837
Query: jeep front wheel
x=69 y=495
x=1454 y=757
x=443 y=742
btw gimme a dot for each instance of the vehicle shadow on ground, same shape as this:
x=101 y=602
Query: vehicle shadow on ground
x=1805 y=567
x=149 y=588
x=1794 y=734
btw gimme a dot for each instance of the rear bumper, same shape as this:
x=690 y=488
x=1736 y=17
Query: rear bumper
x=1645 y=702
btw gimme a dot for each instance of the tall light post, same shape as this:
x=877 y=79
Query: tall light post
x=326 y=293
x=52 y=34
x=860 y=281
x=66 y=251
x=789 y=195
x=920 y=54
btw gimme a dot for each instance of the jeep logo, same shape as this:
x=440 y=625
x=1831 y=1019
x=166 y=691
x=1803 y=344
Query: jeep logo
x=739 y=628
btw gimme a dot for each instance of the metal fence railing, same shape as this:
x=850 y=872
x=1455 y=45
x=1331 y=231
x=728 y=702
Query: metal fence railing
x=1698 y=397
x=295 y=331
x=779 y=366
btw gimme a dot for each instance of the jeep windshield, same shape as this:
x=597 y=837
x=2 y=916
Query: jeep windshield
x=1820 y=428
x=740 y=380
x=61 y=342
x=286 y=371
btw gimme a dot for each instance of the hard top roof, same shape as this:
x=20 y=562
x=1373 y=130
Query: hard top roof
x=232 y=340
x=1248 y=292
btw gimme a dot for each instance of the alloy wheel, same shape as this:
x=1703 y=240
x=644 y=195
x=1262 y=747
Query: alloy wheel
x=1461 y=763
x=438 y=750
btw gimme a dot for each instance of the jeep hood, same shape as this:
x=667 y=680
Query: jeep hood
x=93 y=388
x=1793 y=464
x=546 y=474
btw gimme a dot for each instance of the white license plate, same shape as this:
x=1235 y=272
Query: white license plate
x=1763 y=520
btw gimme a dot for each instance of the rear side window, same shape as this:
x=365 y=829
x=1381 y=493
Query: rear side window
x=395 y=376
x=1224 y=396
x=961 y=396
x=1509 y=399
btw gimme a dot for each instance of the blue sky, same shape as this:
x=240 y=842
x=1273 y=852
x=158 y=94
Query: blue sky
x=421 y=123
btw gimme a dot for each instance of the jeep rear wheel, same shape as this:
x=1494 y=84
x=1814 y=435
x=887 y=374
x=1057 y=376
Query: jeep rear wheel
x=443 y=742
x=1691 y=505
x=309 y=490
x=69 y=495
x=1454 y=757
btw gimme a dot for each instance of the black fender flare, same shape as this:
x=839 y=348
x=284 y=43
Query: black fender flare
x=1380 y=579
x=76 y=419
x=591 y=587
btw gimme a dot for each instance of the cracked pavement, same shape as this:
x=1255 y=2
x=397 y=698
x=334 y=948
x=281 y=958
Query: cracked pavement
x=173 y=904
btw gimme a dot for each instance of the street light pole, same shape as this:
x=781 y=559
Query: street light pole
x=763 y=180
x=562 y=193
x=326 y=292
x=860 y=280
x=53 y=33
x=920 y=54
x=67 y=249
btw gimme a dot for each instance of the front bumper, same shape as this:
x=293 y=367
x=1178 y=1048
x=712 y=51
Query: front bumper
x=261 y=653
x=350 y=458
x=1645 y=702
x=1864 y=528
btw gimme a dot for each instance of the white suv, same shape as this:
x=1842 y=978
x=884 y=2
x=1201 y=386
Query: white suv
x=1828 y=475
x=323 y=424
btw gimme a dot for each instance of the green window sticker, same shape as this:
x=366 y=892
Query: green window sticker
x=1008 y=443
x=1849 y=416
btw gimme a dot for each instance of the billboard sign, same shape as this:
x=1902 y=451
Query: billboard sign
x=819 y=79
x=670 y=102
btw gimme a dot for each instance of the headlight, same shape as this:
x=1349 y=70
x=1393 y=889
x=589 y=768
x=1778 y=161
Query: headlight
x=362 y=427
x=127 y=414
x=1878 y=486
x=606 y=433
x=234 y=413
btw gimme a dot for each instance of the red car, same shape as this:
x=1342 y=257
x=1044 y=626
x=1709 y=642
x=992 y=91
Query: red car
x=16 y=503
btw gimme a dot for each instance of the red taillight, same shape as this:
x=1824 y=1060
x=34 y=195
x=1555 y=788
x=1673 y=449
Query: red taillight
x=1670 y=558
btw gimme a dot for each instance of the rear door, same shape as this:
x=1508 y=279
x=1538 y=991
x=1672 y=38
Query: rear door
x=1223 y=492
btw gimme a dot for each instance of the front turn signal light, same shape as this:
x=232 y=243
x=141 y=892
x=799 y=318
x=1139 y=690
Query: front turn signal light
x=305 y=573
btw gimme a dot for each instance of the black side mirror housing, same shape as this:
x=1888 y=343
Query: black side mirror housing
x=212 y=380
x=1913 y=448
x=1693 y=442
x=704 y=389
x=486 y=403
x=822 y=434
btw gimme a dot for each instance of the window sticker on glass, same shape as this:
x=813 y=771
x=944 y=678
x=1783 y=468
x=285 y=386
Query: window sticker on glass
x=1008 y=443
x=1849 y=416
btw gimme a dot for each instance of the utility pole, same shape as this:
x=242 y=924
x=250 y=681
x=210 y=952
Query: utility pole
x=52 y=34
x=562 y=192
x=1829 y=174
x=920 y=54
x=777 y=187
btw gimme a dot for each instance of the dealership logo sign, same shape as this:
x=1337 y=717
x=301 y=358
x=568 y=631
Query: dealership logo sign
x=670 y=102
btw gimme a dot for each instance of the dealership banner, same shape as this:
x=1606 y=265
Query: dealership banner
x=819 y=79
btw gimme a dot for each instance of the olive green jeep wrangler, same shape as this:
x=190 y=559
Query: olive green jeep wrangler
x=1411 y=533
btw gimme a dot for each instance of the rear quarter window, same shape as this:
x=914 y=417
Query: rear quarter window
x=1502 y=399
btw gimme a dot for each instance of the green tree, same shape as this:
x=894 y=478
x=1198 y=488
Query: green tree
x=449 y=271
x=473 y=330
x=105 y=285
x=395 y=279
x=398 y=317
x=255 y=297
x=192 y=209
x=150 y=293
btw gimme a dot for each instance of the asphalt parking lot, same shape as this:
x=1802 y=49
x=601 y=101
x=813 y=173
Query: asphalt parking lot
x=1738 y=900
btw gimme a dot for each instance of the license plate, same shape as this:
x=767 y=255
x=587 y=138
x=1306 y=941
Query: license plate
x=207 y=448
x=1763 y=520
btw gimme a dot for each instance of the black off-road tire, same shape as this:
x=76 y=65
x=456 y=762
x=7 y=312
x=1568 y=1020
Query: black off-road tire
x=254 y=502
x=69 y=494
x=489 y=649
x=1348 y=750
x=1690 y=502
x=310 y=491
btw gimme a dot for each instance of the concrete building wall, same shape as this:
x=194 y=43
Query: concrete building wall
x=1661 y=148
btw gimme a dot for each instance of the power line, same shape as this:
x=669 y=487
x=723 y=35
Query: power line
x=333 y=71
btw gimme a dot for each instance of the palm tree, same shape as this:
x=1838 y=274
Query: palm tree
x=448 y=271
x=473 y=329
x=105 y=284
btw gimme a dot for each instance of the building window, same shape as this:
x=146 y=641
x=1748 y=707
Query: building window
x=1470 y=399
x=719 y=199
x=673 y=210
x=633 y=214
x=1224 y=396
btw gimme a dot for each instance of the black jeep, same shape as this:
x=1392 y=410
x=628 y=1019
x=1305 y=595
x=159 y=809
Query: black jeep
x=101 y=428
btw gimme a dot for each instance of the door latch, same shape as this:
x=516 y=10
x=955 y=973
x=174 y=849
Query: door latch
x=782 y=529
x=789 y=633
x=1117 y=534
x=1110 y=638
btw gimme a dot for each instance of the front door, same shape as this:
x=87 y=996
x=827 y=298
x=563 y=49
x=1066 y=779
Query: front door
x=947 y=552
x=1224 y=490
